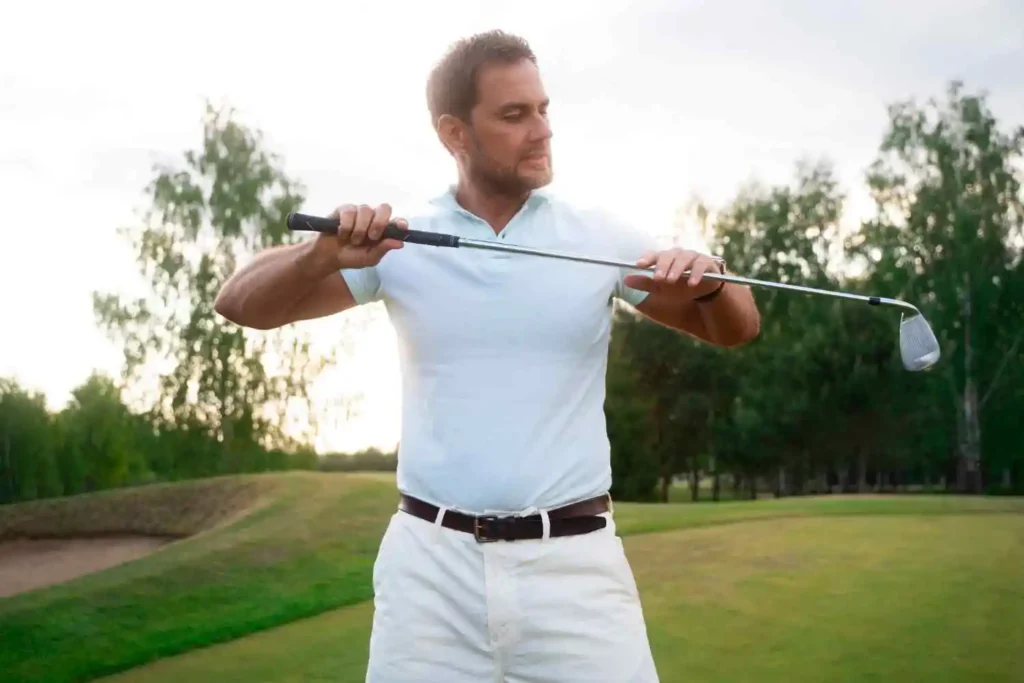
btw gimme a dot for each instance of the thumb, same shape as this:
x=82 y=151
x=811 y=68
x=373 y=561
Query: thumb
x=642 y=282
x=378 y=250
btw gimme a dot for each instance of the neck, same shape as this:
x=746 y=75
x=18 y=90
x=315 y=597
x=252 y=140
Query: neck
x=490 y=204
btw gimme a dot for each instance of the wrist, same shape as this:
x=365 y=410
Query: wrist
x=314 y=261
x=719 y=286
x=710 y=296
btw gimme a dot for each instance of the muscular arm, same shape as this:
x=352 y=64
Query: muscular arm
x=283 y=285
x=731 y=319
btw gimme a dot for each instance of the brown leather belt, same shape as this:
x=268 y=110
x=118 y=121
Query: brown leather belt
x=581 y=517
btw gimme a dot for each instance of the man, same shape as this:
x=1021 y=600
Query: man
x=502 y=562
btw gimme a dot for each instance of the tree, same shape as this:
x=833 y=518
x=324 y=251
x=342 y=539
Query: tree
x=947 y=234
x=27 y=466
x=628 y=413
x=781 y=234
x=228 y=199
x=99 y=446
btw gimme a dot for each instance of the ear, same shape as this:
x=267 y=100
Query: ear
x=452 y=133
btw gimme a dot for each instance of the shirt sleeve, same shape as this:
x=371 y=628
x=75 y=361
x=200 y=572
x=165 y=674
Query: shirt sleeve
x=364 y=283
x=629 y=243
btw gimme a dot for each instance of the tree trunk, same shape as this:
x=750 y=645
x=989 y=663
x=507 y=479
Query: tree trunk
x=666 y=484
x=716 y=480
x=862 y=473
x=969 y=471
x=694 y=480
x=844 y=477
x=1007 y=479
x=753 y=487
x=712 y=465
x=780 y=482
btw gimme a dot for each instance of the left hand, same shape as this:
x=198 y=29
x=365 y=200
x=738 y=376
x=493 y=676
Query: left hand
x=668 y=272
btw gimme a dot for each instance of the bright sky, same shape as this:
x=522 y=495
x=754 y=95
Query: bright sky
x=653 y=102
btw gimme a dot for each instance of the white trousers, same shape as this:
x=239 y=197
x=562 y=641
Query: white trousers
x=557 y=610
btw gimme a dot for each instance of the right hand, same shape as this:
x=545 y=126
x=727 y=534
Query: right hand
x=358 y=242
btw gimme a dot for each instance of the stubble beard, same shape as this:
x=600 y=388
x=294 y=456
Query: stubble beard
x=500 y=180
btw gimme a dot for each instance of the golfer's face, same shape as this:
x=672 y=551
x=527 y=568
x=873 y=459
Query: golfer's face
x=510 y=124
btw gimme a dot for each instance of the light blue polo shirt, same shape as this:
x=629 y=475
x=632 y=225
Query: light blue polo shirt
x=503 y=356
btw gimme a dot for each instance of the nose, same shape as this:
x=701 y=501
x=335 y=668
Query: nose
x=541 y=130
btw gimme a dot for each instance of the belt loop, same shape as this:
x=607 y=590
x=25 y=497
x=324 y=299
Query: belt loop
x=441 y=510
x=546 y=523
x=611 y=503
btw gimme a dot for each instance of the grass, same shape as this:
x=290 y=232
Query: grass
x=806 y=599
x=306 y=545
x=173 y=510
x=298 y=545
x=843 y=600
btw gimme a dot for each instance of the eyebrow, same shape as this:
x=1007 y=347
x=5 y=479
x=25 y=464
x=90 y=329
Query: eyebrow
x=512 y=106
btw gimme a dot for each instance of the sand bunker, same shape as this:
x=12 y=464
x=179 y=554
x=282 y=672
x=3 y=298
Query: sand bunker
x=29 y=564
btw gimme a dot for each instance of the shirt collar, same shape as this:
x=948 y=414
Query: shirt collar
x=446 y=199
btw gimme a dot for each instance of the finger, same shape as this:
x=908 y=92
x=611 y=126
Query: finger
x=697 y=271
x=641 y=282
x=381 y=216
x=346 y=214
x=647 y=260
x=402 y=223
x=362 y=223
x=663 y=264
x=682 y=261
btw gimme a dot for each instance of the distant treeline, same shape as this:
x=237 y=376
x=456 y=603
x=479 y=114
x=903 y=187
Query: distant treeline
x=96 y=443
x=369 y=460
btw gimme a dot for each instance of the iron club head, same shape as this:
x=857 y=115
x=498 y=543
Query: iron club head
x=919 y=349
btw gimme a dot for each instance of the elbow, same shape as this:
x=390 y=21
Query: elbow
x=745 y=333
x=225 y=306
x=752 y=330
x=229 y=306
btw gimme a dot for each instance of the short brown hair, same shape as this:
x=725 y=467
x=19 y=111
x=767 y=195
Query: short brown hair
x=451 y=87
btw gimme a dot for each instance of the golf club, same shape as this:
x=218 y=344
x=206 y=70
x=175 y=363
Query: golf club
x=919 y=348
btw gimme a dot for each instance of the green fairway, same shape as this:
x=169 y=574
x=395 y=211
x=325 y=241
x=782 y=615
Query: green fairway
x=765 y=590
x=866 y=599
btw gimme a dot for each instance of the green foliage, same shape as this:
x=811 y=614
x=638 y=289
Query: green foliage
x=628 y=414
x=820 y=402
x=98 y=434
x=28 y=468
x=949 y=235
x=226 y=201
x=368 y=460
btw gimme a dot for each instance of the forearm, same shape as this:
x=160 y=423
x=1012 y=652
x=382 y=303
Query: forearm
x=730 y=319
x=262 y=293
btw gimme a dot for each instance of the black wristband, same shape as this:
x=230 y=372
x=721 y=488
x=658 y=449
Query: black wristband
x=711 y=296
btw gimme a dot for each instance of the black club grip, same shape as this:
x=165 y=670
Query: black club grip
x=305 y=222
